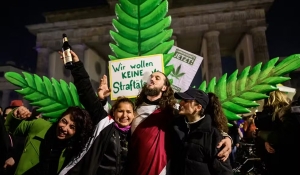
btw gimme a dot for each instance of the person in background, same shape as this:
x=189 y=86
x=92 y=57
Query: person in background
x=6 y=157
x=249 y=128
x=267 y=121
x=17 y=142
x=286 y=139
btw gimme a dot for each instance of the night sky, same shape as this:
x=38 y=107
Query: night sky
x=17 y=43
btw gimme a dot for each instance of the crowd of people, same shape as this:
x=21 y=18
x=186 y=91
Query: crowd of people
x=272 y=133
x=149 y=136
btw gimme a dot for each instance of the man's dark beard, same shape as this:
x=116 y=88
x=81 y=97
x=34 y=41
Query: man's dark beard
x=152 y=92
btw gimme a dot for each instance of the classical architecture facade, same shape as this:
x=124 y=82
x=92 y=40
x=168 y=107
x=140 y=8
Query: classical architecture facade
x=213 y=29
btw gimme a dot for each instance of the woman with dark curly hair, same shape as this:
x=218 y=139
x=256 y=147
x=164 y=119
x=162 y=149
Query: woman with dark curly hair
x=49 y=146
x=196 y=133
x=106 y=153
x=214 y=109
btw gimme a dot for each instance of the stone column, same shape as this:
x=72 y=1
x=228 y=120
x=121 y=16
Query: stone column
x=213 y=55
x=260 y=47
x=42 y=65
x=79 y=49
x=5 y=98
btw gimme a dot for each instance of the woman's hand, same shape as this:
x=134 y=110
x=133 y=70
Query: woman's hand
x=22 y=113
x=225 y=152
x=9 y=163
x=103 y=90
x=74 y=56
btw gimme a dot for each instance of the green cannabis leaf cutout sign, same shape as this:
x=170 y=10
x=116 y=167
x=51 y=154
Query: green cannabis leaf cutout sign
x=141 y=29
x=51 y=96
x=239 y=92
x=176 y=73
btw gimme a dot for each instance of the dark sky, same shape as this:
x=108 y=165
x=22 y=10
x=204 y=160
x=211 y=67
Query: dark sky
x=17 y=43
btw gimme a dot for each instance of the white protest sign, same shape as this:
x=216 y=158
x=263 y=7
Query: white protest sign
x=186 y=65
x=127 y=76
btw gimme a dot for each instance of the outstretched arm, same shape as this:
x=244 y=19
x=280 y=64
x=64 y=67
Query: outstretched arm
x=87 y=95
x=16 y=121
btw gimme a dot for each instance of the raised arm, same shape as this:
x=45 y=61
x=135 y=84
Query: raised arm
x=87 y=95
x=16 y=121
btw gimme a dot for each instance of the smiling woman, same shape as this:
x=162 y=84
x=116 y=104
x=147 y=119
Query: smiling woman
x=51 y=145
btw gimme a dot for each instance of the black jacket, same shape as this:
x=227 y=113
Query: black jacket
x=195 y=149
x=287 y=139
x=100 y=145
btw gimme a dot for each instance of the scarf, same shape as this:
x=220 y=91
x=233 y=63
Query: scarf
x=124 y=129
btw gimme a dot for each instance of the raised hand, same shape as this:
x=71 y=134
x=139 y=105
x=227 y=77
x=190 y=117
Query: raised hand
x=103 y=90
x=74 y=56
x=22 y=113
x=9 y=163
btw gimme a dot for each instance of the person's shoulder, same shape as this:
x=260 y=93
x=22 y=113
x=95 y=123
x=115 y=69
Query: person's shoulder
x=41 y=123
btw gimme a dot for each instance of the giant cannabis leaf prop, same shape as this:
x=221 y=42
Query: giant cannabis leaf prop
x=142 y=29
x=239 y=92
x=52 y=97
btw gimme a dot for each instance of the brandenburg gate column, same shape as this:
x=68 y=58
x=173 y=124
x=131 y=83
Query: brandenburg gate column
x=260 y=47
x=214 y=64
x=42 y=65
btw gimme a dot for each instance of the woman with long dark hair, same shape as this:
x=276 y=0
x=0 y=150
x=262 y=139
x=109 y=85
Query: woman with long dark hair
x=196 y=132
x=214 y=109
x=49 y=146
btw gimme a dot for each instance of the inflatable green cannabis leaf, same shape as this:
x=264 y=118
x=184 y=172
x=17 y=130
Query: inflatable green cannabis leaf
x=239 y=92
x=142 y=29
x=52 y=97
